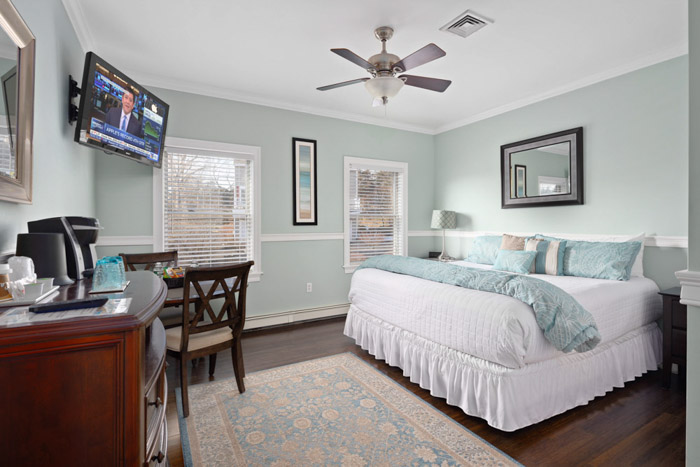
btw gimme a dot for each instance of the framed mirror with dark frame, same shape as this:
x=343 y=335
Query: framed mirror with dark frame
x=543 y=171
x=17 y=51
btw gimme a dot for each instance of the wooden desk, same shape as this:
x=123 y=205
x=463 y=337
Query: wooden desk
x=86 y=391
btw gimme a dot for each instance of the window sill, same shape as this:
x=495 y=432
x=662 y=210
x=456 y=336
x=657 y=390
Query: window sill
x=254 y=276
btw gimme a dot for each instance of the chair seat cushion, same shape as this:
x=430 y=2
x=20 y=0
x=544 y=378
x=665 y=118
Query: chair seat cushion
x=198 y=341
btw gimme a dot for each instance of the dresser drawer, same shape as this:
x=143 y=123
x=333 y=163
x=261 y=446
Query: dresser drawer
x=678 y=345
x=680 y=319
x=156 y=400
x=157 y=457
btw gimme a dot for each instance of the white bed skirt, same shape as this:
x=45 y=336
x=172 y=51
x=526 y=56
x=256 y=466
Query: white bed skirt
x=509 y=398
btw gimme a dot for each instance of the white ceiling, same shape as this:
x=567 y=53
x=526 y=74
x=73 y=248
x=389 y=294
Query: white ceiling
x=276 y=52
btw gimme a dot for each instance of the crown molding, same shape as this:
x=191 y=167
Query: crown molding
x=82 y=31
x=629 y=67
x=174 y=84
x=80 y=24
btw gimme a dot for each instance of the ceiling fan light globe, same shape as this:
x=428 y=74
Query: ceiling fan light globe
x=383 y=86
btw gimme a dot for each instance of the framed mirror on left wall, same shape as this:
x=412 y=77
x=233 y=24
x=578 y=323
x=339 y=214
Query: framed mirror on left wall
x=17 y=52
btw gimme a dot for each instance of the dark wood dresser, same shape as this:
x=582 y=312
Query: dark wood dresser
x=675 y=329
x=87 y=391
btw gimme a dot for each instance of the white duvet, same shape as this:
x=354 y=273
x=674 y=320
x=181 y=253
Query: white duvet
x=495 y=327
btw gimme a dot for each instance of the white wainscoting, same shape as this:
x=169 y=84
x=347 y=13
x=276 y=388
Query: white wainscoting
x=660 y=241
x=690 y=287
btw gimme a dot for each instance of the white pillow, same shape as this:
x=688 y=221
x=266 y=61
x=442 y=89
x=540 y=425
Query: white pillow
x=637 y=267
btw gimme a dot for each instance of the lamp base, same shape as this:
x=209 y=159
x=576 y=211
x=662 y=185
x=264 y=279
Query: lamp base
x=445 y=257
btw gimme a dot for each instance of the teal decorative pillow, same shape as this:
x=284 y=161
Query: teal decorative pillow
x=485 y=249
x=550 y=256
x=599 y=260
x=515 y=261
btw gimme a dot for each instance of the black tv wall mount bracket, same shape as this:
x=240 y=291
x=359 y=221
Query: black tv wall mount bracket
x=73 y=92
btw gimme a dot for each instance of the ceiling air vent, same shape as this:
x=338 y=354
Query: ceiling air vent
x=466 y=24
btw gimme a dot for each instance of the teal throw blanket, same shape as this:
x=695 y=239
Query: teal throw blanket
x=566 y=324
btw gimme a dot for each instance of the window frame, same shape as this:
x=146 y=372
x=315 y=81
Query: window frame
x=239 y=151
x=372 y=164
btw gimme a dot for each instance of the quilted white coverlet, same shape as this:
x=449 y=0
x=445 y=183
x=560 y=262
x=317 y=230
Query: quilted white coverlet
x=495 y=327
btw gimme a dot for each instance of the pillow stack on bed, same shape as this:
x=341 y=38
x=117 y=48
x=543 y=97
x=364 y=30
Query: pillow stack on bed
x=541 y=254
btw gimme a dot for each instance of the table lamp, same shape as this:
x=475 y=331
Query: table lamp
x=444 y=220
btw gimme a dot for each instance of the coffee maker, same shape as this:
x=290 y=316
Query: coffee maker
x=79 y=234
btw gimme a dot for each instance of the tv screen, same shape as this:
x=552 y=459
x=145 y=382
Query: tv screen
x=118 y=115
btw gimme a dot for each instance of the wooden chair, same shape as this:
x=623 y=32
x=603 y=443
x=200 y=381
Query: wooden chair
x=171 y=315
x=218 y=330
x=148 y=260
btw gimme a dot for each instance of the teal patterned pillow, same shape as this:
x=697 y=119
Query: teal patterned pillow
x=599 y=260
x=485 y=249
x=515 y=261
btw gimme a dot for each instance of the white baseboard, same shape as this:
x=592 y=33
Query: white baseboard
x=287 y=317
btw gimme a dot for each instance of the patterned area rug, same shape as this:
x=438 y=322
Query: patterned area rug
x=331 y=411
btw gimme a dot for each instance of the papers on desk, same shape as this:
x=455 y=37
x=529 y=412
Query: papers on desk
x=21 y=315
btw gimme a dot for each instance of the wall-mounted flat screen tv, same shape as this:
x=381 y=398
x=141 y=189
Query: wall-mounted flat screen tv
x=118 y=115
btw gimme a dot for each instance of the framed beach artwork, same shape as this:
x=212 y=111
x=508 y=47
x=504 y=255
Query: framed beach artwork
x=304 y=172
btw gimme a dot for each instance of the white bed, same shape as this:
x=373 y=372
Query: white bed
x=485 y=353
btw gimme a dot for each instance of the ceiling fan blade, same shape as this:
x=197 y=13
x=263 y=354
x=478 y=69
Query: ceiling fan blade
x=354 y=58
x=420 y=57
x=432 y=84
x=344 y=83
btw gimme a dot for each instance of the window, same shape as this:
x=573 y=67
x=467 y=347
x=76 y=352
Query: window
x=375 y=209
x=208 y=203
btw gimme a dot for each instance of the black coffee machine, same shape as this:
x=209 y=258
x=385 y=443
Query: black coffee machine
x=80 y=235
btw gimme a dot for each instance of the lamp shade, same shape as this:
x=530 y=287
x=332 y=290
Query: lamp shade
x=443 y=220
x=383 y=86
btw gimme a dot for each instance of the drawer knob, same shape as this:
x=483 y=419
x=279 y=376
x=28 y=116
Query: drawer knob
x=157 y=402
x=159 y=457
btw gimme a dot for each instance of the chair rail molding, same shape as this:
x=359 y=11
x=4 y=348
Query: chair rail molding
x=690 y=287
x=659 y=241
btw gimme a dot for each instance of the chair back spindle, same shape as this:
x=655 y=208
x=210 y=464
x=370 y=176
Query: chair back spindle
x=206 y=282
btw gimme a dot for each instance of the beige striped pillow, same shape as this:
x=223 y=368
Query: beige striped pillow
x=550 y=256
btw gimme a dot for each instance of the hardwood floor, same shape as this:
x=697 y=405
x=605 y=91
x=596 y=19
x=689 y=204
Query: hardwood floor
x=640 y=424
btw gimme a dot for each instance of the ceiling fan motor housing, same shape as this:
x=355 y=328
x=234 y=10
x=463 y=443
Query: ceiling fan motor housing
x=384 y=62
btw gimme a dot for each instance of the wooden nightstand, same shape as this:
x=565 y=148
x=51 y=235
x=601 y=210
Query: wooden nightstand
x=675 y=324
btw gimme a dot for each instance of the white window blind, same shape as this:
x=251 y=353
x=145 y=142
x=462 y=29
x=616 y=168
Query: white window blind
x=375 y=209
x=208 y=207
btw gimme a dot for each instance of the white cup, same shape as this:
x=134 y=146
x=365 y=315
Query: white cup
x=22 y=269
x=33 y=291
x=48 y=283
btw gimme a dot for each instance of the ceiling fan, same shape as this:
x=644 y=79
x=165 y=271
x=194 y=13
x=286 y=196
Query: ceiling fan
x=385 y=66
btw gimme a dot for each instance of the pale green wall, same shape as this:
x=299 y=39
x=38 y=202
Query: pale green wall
x=692 y=414
x=635 y=162
x=124 y=190
x=63 y=170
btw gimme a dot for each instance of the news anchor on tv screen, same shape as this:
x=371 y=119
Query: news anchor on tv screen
x=123 y=119
x=118 y=115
